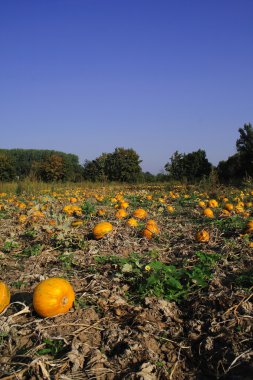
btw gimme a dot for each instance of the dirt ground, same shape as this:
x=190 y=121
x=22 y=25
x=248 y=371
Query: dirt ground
x=115 y=330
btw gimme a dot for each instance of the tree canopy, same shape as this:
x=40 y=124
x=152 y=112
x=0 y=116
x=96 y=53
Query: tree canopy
x=46 y=165
x=192 y=166
x=122 y=165
x=240 y=164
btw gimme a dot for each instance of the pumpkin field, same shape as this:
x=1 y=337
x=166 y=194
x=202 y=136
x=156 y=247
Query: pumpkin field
x=126 y=282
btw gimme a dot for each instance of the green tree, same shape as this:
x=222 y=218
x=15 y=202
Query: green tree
x=244 y=146
x=30 y=163
x=95 y=170
x=240 y=165
x=73 y=171
x=230 y=170
x=192 y=166
x=123 y=165
x=197 y=165
x=53 y=169
x=7 y=170
x=148 y=177
x=175 y=167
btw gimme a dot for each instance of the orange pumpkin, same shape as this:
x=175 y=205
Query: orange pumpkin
x=202 y=204
x=102 y=229
x=53 y=296
x=101 y=212
x=22 y=218
x=249 y=227
x=213 y=203
x=140 y=213
x=76 y=223
x=250 y=224
x=151 y=222
x=170 y=209
x=121 y=213
x=208 y=212
x=150 y=230
x=228 y=206
x=124 y=205
x=225 y=213
x=239 y=209
x=132 y=222
x=202 y=236
x=5 y=296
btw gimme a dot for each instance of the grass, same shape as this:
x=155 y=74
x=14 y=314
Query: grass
x=29 y=186
x=158 y=279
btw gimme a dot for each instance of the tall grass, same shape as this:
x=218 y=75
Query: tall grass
x=33 y=187
x=28 y=186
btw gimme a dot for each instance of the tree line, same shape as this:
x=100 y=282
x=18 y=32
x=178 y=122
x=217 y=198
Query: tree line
x=124 y=165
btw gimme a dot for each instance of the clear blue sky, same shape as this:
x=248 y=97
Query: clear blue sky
x=87 y=76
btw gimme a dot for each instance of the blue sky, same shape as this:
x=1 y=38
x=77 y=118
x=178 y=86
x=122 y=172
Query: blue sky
x=87 y=76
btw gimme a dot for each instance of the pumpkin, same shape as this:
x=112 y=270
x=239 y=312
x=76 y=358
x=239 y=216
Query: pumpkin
x=37 y=215
x=124 y=205
x=170 y=209
x=72 y=209
x=99 y=198
x=140 y=213
x=121 y=213
x=21 y=205
x=119 y=197
x=101 y=212
x=225 y=213
x=76 y=223
x=22 y=218
x=5 y=296
x=228 y=206
x=132 y=222
x=239 y=209
x=249 y=227
x=202 y=204
x=208 y=212
x=202 y=236
x=213 y=203
x=101 y=229
x=151 y=222
x=52 y=297
x=150 y=229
